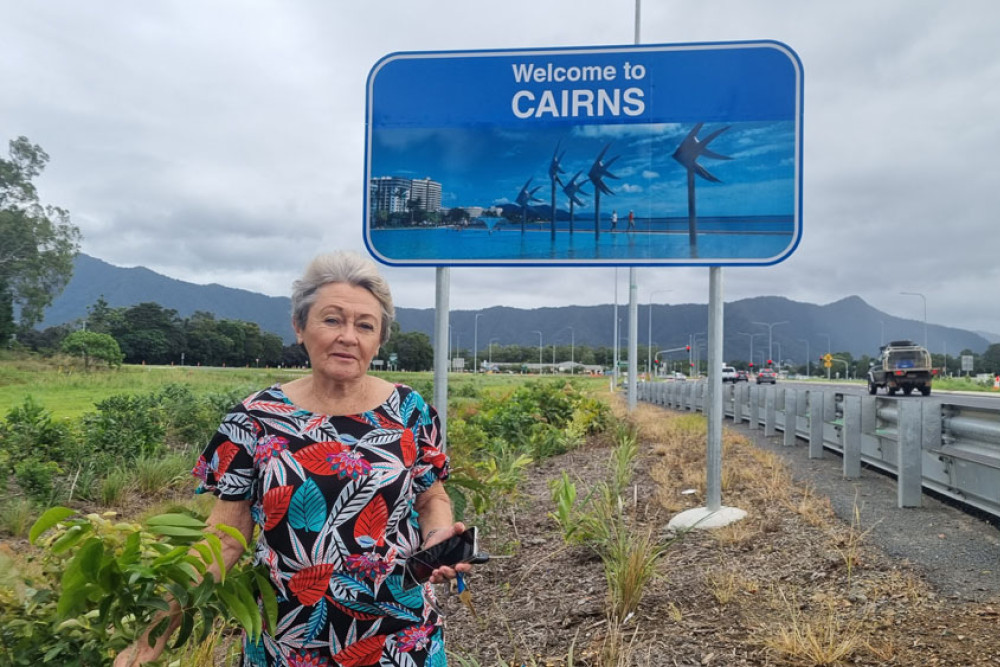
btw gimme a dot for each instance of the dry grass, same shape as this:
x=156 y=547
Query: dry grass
x=824 y=637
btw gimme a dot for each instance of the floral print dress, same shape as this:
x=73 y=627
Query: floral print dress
x=333 y=497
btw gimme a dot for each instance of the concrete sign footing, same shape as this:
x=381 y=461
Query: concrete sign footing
x=704 y=518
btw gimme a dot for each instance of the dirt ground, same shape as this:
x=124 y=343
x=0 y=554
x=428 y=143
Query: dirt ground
x=781 y=587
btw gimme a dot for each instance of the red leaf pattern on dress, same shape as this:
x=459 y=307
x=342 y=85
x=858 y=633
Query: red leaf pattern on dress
x=309 y=584
x=368 y=651
x=226 y=452
x=276 y=504
x=373 y=520
x=316 y=457
x=409 y=447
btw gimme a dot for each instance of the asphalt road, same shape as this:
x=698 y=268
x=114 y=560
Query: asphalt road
x=968 y=398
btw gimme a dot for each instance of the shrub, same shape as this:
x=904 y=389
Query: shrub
x=114 y=487
x=30 y=428
x=125 y=427
x=154 y=475
x=36 y=478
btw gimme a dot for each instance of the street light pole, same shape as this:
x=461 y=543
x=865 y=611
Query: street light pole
x=491 y=350
x=539 y=350
x=808 y=358
x=649 y=335
x=924 y=298
x=475 y=344
x=752 y=336
x=770 y=329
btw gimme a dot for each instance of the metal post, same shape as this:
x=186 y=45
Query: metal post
x=475 y=344
x=909 y=468
x=441 y=341
x=791 y=416
x=633 y=336
x=852 y=436
x=713 y=472
x=770 y=396
x=816 y=403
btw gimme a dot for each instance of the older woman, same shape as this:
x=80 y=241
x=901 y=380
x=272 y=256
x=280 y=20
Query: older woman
x=341 y=473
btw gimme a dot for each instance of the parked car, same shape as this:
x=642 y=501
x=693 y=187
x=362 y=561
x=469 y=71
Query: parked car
x=767 y=375
x=728 y=374
x=741 y=376
x=678 y=376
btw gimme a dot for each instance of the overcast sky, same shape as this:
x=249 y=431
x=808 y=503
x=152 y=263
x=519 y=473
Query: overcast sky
x=223 y=141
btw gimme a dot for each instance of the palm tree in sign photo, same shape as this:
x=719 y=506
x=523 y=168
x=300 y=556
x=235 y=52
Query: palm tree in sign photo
x=525 y=198
x=571 y=190
x=554 y=170
x=687 y=154
x=598 y=172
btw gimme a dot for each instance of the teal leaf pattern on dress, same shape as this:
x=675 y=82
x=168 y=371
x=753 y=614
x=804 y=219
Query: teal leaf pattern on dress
x=307 y=509
x=412 y=598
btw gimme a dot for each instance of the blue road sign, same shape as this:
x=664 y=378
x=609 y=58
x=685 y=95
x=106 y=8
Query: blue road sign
x=652 y=155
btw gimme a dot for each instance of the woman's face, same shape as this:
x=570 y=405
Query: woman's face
x=342 y=331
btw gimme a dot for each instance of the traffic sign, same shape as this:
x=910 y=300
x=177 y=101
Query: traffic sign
x=828 y=357
x=671 y=154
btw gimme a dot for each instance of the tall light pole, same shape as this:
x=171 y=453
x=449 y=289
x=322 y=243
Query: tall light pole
x=770 y=330
x=539 y=350
x=827 y=337
x=924 y=298
x=808 y=358
x=649 y=335
x=752 y=336
x=475 y=344
x=491 y=349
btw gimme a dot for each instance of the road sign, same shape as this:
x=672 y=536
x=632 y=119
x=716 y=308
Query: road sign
x=828 y=357
x=966 y=363
x=686 y=154
x=827 y=363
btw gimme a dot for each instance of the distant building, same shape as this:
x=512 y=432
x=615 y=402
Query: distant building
x=390 y=194
x=428 y=192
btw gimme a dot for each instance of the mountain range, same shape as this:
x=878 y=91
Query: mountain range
x=848 y=325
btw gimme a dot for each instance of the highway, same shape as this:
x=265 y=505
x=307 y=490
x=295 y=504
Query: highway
x=964 y=398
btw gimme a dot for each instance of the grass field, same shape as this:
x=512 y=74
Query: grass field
x=68 y=392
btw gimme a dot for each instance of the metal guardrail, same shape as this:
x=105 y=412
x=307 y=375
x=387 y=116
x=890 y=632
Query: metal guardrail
x=953 y=450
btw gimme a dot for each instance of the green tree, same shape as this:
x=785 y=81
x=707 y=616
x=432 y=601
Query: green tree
x=37 y=243
x=991 y=359
x=93 y=345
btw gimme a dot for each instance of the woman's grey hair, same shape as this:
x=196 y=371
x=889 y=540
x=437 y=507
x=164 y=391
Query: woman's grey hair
x=341 y=267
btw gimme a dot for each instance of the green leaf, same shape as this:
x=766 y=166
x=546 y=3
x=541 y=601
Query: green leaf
x=215 y=544
x=49 y=518
x=187 y=625
x=237 y=610
x=170 y=555
x=233 y=533
x=178 y=520
x=177 y=531
x=89 y=558
x=70 y=538
x=245 y=593
x=269 y=599
x=204 y=552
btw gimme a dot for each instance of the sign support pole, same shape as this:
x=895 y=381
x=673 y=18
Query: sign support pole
x=633 y=337
x=441 y=316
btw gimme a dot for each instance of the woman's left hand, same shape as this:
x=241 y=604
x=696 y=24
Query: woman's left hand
x=445 y=572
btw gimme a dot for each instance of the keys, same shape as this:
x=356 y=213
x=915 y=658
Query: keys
x=464 y=595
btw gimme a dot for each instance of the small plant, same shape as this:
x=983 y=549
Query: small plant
x=623 y=457
x=629 y=564
x=16 y=516
x=154 y=475
x=113 y=488
x=564 y=496
x=849 y=545
x=104 y=583
x=825 y=639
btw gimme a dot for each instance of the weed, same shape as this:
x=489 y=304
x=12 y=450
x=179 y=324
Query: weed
x=36 y=478
x=16 y=516
x=155 y=475
x=824 y=640
x=623 y=457
x=849 y=544
x=629 y=564
x=113 y=488
x=723 y=586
